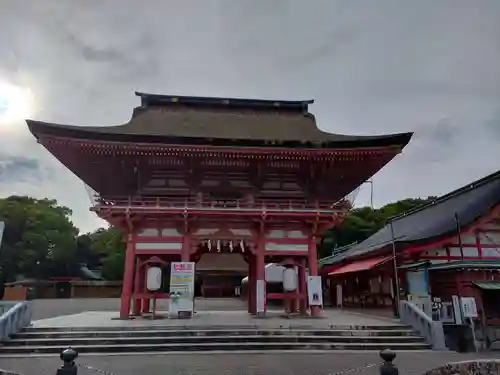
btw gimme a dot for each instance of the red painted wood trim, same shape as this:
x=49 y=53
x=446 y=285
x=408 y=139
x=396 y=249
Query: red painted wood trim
x=288 y=241
x=286 y=253
x=105 y=145
x=490 y=230
x=474 y=246
x=320 y=215
x=479 y=245
x=458 y=257
x=158 y=252
x=150 y=239
x=276 y=296
x=151 y=295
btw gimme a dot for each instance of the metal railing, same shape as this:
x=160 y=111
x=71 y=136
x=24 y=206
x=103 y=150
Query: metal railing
x=14 y=317
x=225 y=204
x=432 y=331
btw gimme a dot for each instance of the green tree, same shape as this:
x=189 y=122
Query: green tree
x=363 y=222
x=110 y=246
x=39 y=238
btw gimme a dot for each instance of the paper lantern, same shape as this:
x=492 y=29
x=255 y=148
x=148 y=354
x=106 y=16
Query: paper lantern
x=153 y=280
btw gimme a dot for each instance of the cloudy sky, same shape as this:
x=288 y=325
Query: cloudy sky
x=428 y=66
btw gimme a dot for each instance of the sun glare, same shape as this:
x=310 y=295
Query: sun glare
x=16 y=103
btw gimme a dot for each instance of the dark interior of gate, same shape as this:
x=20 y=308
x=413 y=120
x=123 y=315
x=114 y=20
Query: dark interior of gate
x=191 y=178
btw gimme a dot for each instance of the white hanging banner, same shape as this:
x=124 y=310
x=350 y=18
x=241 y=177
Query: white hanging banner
x=314 y=291
x=182 y=276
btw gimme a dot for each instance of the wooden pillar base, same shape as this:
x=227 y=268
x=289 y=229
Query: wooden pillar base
x=128 y=279
x=146 y=303
x=316 y=311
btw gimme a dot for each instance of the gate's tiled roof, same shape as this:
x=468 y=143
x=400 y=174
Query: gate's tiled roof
x=161 y=118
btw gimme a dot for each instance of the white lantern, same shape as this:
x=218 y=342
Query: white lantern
x=290 y=279
x=153 y=280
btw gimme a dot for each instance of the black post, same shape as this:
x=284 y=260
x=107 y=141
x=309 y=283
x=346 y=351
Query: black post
x=388 y=368
x=69 y=367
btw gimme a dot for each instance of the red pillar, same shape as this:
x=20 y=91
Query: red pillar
x=128 y=278
x=186 y=249
x=302 y=287
x=137 y=288
x=251 y=285
x=260 y=272
x=146 y=302
x=313 y=268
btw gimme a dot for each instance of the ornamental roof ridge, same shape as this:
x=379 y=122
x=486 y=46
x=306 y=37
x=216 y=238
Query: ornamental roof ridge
x=148 y=99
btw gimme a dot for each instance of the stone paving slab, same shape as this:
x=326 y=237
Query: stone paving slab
x=49 y=308
x=365 y=363
x=274 y=319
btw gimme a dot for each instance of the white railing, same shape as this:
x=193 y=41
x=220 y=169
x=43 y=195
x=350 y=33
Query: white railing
x=14 y=317
x=432 y=331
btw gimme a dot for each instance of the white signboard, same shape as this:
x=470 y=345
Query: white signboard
x=469 y=308
x=2 y=228
x=314 y=291
x=182 y=276
x=457 y=310
x=261 y=296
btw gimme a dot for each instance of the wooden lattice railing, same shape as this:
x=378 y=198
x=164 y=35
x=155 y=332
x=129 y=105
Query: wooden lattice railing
x=235 y=204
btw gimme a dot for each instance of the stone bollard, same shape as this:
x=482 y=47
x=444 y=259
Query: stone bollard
x=69 y=367
x=388 y=368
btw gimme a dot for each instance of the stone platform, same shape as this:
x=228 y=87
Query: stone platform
x=273 y=319
x=102 y=332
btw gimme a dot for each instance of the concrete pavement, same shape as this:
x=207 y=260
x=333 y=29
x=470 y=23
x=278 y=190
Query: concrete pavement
x=49 y=308
x=242 y=364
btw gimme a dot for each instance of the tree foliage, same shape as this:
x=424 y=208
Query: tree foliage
x=363 y=222
x=40 y=241
x=39 y=238
x=107 y=245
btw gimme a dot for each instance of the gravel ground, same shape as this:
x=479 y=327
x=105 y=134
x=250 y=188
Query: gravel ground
x=244 y=364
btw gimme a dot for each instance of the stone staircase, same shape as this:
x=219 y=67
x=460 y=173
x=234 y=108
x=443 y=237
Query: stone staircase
x=170 y=339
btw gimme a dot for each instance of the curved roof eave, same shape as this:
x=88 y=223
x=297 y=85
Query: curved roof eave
x=119 y=133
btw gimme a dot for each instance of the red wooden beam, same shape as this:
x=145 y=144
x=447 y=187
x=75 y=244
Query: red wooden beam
x=474 y=245
x=285 y=253
x=109 y=146
x=155 y=239
x=288 y=241
x=479 y=245
x=488 y=230
x=458 y=257
x=157 y=252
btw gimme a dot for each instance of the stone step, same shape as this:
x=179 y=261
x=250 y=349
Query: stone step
x=210 y=346
x=126 y=332
x=221 y=327
x=63 y=342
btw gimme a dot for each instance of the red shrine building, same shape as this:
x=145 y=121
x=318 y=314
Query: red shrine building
x=448 y=247
x=189 y=176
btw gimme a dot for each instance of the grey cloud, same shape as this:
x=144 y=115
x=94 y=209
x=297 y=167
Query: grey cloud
x=372 y=67
x=18 y=168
